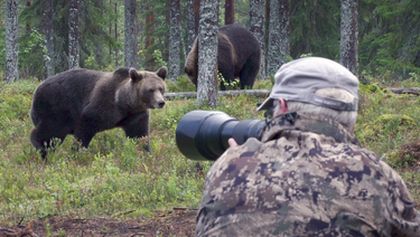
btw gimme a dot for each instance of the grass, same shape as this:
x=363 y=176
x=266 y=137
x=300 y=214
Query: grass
x=114 y=177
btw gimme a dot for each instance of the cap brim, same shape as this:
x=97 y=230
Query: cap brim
x=266 y=104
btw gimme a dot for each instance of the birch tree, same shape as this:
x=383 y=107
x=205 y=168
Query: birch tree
x=48 y=29
x=174 y=62
x=130 y=33
x=207 y=53
x=256 y=23
x=74 y=34
x=278 y=48
x=349 y=35
x=12 y=73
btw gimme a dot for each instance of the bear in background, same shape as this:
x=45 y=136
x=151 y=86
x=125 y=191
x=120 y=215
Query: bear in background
x=84 y=102
x=239 y=55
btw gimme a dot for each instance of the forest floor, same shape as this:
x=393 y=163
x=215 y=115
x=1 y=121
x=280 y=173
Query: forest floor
x=177 y=222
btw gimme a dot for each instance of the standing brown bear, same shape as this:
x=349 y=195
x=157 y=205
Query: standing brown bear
x=84 y=102
x=239 y=55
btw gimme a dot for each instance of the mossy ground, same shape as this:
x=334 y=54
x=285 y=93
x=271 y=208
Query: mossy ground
x=116 y=178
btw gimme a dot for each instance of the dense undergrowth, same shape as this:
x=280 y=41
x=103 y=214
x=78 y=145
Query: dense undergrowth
x=116 y=178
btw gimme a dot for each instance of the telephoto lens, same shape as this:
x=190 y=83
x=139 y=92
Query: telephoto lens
x=203 y=135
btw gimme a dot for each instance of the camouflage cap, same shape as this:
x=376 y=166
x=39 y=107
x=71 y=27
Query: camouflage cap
x=299 y=80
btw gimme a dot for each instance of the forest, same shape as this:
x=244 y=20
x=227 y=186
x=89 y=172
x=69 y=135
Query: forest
x=110 y=36
x=115 y=187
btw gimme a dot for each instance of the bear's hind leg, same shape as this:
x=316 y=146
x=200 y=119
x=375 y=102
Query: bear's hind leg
x=42 y=137
x=249 y=73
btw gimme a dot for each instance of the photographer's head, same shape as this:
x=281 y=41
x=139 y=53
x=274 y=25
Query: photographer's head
x=315 y=85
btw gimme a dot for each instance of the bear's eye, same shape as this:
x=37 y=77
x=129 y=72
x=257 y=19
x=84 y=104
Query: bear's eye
x=151 y=90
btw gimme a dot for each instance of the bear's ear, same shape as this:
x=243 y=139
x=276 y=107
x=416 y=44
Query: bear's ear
x=161 y=72
x=134 y=75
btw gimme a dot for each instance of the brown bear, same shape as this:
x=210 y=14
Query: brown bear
x=84 y=102
x=239 y=55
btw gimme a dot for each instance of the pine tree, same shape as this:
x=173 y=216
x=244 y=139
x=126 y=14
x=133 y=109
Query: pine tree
x=130 y=33
x=74 y=34
x=278 y=38
x=12 y=73
x=229 y=12
x=256 y=22
x=48 y=29
x=191 y=29
x=174 y=62
x=349 y=35
x=207 y=53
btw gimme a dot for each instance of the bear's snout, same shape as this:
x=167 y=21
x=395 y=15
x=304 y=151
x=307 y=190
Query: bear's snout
x=161 y=104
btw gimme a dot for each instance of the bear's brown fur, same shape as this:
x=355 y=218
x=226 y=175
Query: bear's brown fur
x=238 y=56
x=84 y=102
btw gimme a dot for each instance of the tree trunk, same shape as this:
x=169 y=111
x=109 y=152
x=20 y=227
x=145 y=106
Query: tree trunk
x=207 y=53
x=116 y=35
x=196 y=9
x=174 y=61
x=12 y=73
x=130 y=33
x=28 y=27
x=99 y=48
x=229 y=12
x=191 y=23
x=349 y=35
x=148 y=39
x=74 y=34
x=48 y=29
x=256 y=22
x=278 y=37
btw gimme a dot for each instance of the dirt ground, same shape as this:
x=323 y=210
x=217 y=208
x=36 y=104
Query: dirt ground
x=178 y=222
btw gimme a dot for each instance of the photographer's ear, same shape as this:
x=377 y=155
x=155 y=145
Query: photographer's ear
x=280 y=107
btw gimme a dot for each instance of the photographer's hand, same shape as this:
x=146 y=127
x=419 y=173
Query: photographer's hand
x=232 y=143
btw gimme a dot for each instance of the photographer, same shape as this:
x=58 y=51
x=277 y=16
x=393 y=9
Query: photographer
x=308 y=176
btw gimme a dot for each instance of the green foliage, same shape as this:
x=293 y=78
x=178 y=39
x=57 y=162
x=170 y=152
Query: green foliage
x=264 y=84
x=315 y=28
x=116 y=177
x=2 y=49
x=406 y=157
x=157 y=57
x=386 y=120
x=32 y=51
x=113 y=177
x=229 y=85
x=412 y=81
x=388 y=124
x=181 y=84
x=389 y=36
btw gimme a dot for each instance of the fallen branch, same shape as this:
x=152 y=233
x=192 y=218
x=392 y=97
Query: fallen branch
x=264 y=93
x=191 y=94
x=412 y=90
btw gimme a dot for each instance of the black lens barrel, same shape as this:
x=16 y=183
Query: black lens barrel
x=203 y=135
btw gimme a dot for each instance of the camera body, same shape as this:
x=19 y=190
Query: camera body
x=203 y=135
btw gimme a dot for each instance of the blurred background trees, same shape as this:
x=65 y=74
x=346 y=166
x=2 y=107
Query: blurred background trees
x=53 y=35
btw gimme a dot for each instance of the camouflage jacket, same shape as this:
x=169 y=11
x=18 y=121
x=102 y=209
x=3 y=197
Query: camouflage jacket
x=308 y=177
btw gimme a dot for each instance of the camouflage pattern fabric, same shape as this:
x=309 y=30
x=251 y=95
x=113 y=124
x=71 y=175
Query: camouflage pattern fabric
x=308 y=177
